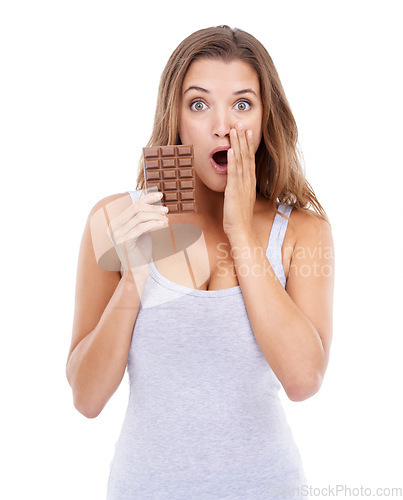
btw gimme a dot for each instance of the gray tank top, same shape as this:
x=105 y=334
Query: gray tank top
x=204 y=418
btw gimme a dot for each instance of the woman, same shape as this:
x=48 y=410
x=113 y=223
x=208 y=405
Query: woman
x=207 y=356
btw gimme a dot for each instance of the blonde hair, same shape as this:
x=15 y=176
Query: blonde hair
x=279 y=174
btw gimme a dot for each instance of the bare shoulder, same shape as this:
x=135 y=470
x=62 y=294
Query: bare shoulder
x=312 y=251
x=309 y=226
x=109 y=200
x=305 y=230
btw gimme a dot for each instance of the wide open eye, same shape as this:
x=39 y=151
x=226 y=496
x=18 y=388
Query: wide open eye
x=197 y=105
x=243 y=105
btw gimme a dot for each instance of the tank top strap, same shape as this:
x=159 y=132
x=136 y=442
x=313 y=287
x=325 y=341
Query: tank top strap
x=276 y=240
x=276 y=237
x=135 y=195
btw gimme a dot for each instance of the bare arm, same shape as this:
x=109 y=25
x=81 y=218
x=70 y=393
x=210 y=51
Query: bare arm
x=292 y=327
x=97 y=364
x=106 y=309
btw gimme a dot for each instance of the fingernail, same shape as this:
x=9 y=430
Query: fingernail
x=239 y=126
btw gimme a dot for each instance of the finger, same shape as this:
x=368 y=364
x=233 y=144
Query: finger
x=243 y=145
x=152 y=194
x=231 y=168
x=244 y=152
x=139 y=231
x=141 y=222
x=153 y=198
x=237 y=151
x=125 y=223
x=251 y=151
x=133 y=212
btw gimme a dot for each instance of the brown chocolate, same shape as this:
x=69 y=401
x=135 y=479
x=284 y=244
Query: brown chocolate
x=170 y=170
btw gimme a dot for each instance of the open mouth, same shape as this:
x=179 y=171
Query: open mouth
x=220 y=157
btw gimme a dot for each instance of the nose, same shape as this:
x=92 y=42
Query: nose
x=221 y=124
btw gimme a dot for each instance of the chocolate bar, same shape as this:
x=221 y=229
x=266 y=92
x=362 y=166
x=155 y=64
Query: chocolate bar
x=170 y=170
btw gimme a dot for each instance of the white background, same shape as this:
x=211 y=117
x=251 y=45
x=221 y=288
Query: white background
x=78 y=90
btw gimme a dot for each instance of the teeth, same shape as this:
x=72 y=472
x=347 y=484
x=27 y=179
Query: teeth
x=220 y=168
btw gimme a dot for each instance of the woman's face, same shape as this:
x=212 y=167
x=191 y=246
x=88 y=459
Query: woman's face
x=215 y=97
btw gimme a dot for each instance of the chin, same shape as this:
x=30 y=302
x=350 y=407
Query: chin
x=216 y=188
x=215 y=183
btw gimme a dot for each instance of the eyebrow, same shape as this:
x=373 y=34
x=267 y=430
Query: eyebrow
x=238 y=92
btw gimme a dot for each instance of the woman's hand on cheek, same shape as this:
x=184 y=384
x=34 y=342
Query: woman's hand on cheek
x=240 y=191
